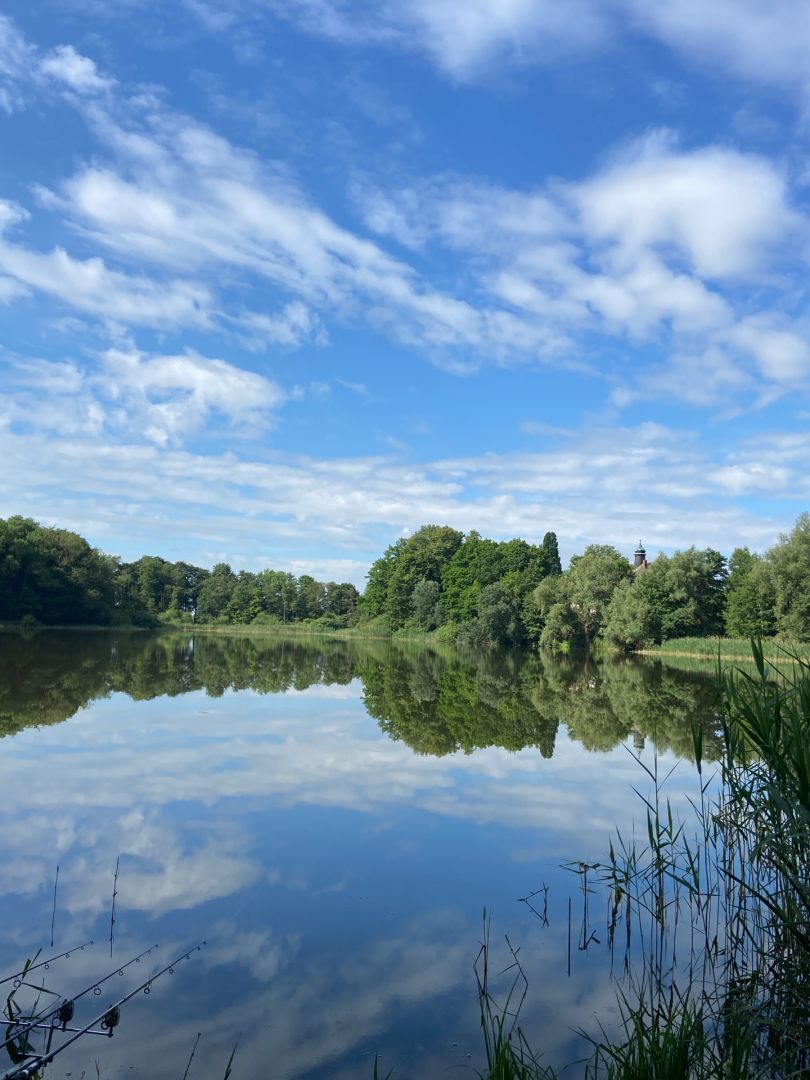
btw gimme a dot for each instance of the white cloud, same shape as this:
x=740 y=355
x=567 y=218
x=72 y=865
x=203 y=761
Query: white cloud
x=164 y=398
x=764 y=41
x=91 y=286
x=294 y=324
x=609 y=486
x=462 y=39
x=660 y=246
x=183 y=201
x=78 y=72
x=709 y=379
x=721 y=211
x=782 y=354
x=664 y=244
x=11 y=290
x=17 y=58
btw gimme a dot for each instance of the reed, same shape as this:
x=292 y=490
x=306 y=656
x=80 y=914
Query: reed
x=709 y=917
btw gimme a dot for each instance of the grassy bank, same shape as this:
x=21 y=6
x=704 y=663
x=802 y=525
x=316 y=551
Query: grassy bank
x=374 y=630
x=777 y=650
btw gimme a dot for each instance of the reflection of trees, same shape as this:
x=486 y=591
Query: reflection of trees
x=604 y=704
x=46 y=685
x=49 y=677
x=437 y=703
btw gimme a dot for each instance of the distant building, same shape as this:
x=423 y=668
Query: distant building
x=640 y=559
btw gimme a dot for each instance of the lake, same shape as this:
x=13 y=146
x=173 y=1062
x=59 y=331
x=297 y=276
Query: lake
x=331 y=818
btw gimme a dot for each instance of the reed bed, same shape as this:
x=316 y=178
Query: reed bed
x=708 y=919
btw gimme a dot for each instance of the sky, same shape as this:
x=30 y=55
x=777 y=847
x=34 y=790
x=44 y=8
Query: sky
x=283 y=280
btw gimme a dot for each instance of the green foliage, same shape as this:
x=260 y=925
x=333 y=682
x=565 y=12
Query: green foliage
x=681 y=595
x=426 y=606
x=55 y=577
x=593 y=578
x=789 y=563
x=573 y=606
x=750 y=599
x=498 y=623
x=423 y=556
x=551 y=554
x=561 y=628
x=499 y=616
x=439 y=576
x=630 y=619
x=476 y=563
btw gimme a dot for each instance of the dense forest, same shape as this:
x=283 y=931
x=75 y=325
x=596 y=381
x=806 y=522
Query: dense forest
x=461 y=588
x=475 y=591
x=54 y=577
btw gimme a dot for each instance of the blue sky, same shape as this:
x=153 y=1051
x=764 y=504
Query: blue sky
x=282 y=281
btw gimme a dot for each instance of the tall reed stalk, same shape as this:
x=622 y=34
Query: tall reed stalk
x=708 y=920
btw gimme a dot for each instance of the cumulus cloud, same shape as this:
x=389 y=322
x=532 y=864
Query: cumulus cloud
x=642 y=249
x=721 y=211
x=78 y=72
x=665 y=244
x=164 y=398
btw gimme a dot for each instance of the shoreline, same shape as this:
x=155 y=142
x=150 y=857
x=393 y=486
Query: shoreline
x=429 y=638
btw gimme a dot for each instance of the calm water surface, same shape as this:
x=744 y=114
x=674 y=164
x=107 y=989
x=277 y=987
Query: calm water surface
x=331 y=818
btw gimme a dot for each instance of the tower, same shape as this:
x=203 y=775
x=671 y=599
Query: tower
x=639 y=556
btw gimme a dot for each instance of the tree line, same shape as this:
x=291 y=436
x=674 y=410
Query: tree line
x=692 y=593
x=468 y=588
x=54 y=577
x=479 y=592
x=462 y=588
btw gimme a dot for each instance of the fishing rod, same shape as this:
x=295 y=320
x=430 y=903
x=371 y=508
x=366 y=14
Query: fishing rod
x=18 y=977
x=107 y=1021
x=21 y=1029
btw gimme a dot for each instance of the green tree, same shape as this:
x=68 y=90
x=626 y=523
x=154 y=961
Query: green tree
x=551 y=554
x=53 y=575
x=216 y=593
x=311 y=599
x=475 y=563
x=375 y=597
x=630 y=622
x=424 y=555
x=425 y=604
x=341 y=598
x=750 y=596
x=499 y=616
x=592 y=579
x=789 y=562
x=694 y=588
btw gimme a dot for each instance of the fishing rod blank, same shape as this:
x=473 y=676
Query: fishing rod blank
x=108 y=1020
x=43 y=963
x=41 y=1017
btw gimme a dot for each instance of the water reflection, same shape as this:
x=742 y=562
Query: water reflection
x=436 y=702
x=331 y=817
